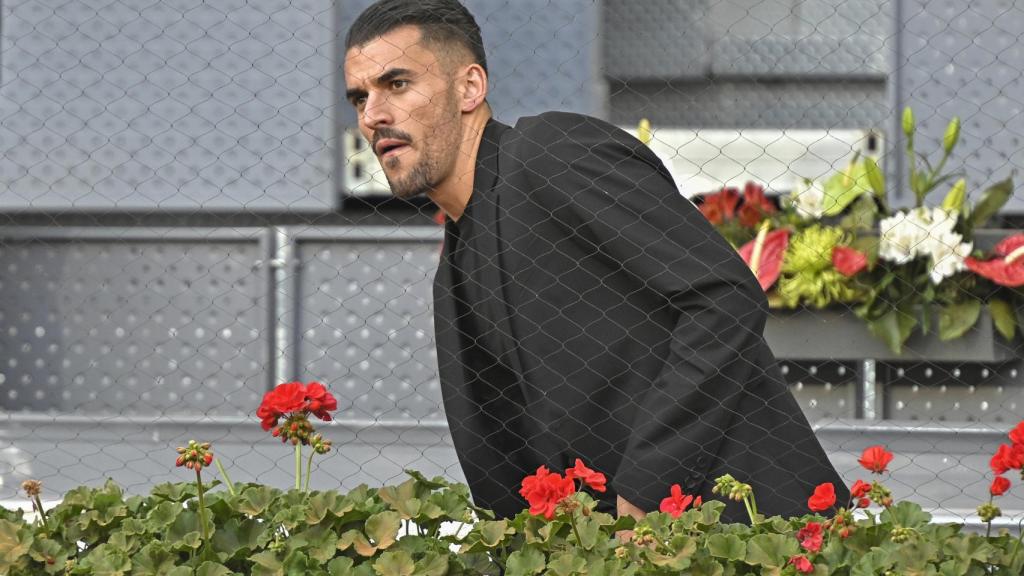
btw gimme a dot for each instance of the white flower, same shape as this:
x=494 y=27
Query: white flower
x=901 y=237
x=808 y=197
x=924 y=232
x=947 y=254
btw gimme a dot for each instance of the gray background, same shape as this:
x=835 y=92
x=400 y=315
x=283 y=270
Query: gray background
x=176 y=239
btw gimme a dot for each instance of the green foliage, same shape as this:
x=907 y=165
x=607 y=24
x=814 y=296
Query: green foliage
x=397 y=531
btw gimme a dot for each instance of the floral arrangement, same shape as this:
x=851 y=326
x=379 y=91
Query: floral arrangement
x=430 y=527
x=838 y=242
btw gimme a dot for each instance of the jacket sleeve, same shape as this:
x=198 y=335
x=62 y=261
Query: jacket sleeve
x=607 y=190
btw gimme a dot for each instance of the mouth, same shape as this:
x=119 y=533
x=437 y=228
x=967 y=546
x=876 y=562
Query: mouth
x=387 y=147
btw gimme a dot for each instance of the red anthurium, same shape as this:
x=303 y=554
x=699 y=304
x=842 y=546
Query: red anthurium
x=595 y=480
x=720 y=206
x=824 y=497
x=875 y=459
x=755 y=205
x=848 y=261
x=999 y=486
x=544 y=490
x=768 y=264
x=1007 y=268
x=678 y=502
x=811 y=536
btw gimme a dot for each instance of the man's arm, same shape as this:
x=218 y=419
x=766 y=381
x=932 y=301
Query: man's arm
x=611 y=192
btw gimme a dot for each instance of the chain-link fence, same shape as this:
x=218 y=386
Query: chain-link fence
x=191 y=216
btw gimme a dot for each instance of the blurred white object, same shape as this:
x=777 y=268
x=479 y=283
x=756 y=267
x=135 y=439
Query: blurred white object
x=705 y=160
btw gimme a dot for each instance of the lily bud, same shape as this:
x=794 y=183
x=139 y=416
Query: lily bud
x=952 y=135
x=908 y=122
x=954 y=201
x=643 y=131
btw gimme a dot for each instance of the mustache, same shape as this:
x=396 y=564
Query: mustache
x=392 y=133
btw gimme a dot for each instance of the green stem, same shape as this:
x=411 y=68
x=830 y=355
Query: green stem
x=988 y=528
x=298 y=465
x=202 y=508
x=224 y=473
x=753 y=504
x=750 y=512
x=572 y=522
x=309 y=468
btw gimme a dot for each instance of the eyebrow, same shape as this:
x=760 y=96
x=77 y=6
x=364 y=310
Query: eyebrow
x=384 y=78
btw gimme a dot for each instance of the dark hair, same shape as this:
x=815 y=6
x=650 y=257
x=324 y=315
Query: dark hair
x=441 y=22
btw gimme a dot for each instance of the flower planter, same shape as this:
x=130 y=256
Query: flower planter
x=838 y=334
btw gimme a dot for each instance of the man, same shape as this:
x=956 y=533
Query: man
x=583 y=308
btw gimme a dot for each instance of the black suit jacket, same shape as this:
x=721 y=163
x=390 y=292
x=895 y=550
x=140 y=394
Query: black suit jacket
x=630 y=332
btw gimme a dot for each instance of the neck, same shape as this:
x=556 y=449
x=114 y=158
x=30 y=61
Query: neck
x=453 y=194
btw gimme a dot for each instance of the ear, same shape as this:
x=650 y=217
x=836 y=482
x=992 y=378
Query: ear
x=473 y=87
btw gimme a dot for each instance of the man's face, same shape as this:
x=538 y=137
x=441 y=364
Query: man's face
x=407 y=109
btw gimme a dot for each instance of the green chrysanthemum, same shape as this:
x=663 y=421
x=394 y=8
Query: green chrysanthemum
x=808 y=277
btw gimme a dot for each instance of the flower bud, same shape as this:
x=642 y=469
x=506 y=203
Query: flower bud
x=901 y=534
x=845 y=532
x=180 y=461
x=621 y=552
x=954 y=201
x=863 y=503
x=952 y=135
x=207 y=459
x=908 y=122
x=988 y=512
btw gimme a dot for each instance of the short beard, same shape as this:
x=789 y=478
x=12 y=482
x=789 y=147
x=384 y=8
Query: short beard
x=416 y=183
x=437 y=158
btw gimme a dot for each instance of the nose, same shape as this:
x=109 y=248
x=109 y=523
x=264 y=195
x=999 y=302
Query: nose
x=377 y=111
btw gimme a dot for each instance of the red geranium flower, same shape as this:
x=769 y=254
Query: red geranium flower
x=1007 y=457
x=848 y=261
x=320 y=402
x=544 y=490
x=294 y=397
x=824 y=497
x=595 y=480
x=755 y=205
x=810 y=536
x=721 y=206
x=769 y=265
x=1017 y=434
x=860 y=489
x=802 y=564
x=678 y=502
x=999 y=486
x=1007 y=268
x=875 y=459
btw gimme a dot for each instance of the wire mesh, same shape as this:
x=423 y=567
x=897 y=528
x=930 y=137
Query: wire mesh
x=191 y=217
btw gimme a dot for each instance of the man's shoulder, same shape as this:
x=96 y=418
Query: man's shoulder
x=556 y=125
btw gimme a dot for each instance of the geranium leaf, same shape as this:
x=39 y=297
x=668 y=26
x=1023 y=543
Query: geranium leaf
x=394 y=563
x=1004 y=317
x=957 y=318
x=432 y=484
x=908 y=514
x=213 y=569
x=433 y=564
x=525 y=562
x=728 y=546
x=382 y=528
x=492 y=532
x=770 y=550
x=566 y=564
x=255 y=499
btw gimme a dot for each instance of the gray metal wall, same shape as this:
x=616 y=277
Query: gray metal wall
x=117 y=343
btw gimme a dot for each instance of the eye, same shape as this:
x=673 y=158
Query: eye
x=359 y=102
x=399 y=84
